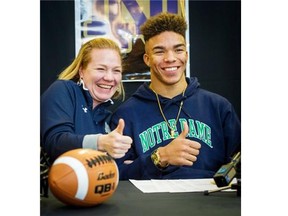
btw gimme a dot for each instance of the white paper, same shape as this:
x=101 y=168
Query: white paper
x=176 y=186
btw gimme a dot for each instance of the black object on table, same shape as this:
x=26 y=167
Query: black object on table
x=129 y=200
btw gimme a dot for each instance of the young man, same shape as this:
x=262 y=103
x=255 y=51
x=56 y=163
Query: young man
x=178 y=129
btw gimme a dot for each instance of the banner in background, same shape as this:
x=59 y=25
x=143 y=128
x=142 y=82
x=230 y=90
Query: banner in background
x=120 y=20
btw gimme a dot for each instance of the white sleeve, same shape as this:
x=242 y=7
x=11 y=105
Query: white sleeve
x=90 y=141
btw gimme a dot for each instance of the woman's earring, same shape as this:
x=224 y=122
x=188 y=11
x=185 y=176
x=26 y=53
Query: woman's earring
x=81 y=82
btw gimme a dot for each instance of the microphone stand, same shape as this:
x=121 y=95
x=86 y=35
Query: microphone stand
x=236 y=186
x=228 y=171
x=207 y=192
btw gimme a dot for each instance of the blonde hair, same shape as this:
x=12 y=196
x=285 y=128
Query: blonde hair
x=83 y=58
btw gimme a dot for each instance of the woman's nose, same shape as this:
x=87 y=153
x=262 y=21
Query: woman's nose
x=108 y=75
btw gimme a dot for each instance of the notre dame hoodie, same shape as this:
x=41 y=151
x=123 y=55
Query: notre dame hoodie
x=211 y=119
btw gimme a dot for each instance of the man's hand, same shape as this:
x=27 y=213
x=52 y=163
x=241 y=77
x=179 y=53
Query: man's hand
x=180 y=151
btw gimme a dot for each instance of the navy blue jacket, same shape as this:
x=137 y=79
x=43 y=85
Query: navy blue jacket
x=211 y=119
x=66 y=116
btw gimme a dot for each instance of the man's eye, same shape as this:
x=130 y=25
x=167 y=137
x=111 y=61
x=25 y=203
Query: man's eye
x=159 y=52
x=179 y=50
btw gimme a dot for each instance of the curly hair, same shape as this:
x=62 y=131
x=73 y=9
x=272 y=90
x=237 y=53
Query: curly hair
x=163 y=22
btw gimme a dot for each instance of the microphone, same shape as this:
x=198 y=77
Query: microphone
x=227 y=172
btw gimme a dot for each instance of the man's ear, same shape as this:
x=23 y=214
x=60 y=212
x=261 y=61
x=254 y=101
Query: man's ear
x=187 y=56
x=146 y=59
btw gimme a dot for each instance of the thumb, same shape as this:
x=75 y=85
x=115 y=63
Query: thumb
x=120 y=126
x=185 y=130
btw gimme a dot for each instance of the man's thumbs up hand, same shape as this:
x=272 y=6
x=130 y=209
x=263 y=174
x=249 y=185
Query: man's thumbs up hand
x=180 y=151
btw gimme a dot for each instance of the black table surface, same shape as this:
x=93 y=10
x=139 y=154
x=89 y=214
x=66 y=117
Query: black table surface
x=129 y=200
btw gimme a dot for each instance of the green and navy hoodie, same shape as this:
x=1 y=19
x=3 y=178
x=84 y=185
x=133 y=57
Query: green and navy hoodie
x=211 y=119
x=67 y=119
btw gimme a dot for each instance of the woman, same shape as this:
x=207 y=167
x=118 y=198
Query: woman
x=74 y=110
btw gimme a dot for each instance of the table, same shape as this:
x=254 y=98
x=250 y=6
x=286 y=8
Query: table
x=129 y=200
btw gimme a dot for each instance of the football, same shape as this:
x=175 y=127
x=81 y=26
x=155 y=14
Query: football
x=83 y=177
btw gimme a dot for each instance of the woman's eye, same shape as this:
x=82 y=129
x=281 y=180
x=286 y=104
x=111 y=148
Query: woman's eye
x=100 y=69
x=117 y=71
